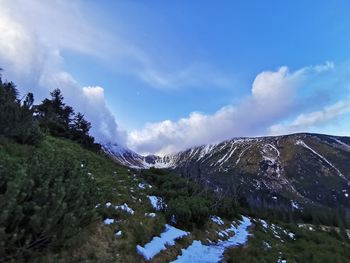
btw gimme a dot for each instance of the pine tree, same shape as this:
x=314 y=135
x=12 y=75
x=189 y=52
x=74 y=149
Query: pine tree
x=16 y=119
x=54 y=116
x=81 y=125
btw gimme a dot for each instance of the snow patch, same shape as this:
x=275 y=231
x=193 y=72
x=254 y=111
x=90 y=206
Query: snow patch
x=150 y=214
x=125 y=208
x=240 y=155
x=217 y=220
x=264 y=223
x=227 y=156
x=274 y=147
x=144 y=186
x=157 y=244
x=270 y=155
x=266 y=245
x=197 y=252
x=291 y=235
x=230 y=155
x=108 y=221
x=156 y=202
x=342 y=143
x=206 y=150
x=300 y=142
x=295 y=205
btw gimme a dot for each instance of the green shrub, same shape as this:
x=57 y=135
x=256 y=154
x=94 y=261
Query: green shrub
x=189 y=210
x=44 y=200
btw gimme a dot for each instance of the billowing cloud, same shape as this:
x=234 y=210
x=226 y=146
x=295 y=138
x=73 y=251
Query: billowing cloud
x=33 y=35
x=95 y=98
x=272 y=97
x=306 y=121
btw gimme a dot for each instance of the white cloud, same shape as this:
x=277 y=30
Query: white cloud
x=329 y=65
x=106 y=130
x=306 y=121
x=272 y=97
x=33 y=35
x=31 y=30
x=193 y=75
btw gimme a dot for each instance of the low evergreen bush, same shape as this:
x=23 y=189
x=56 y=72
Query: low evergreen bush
x=44 y=200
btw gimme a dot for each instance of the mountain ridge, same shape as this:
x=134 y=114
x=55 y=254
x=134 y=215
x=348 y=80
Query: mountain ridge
x=285 y=170
x=124 y=155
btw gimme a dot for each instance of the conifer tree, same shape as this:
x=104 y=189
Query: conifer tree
x=16 y=119
x=54 y=116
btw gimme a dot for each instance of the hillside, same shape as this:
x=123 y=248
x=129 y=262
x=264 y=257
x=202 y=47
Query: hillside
x=89 y=238
x=288 y=172
x=130 y=208
x=66 y=198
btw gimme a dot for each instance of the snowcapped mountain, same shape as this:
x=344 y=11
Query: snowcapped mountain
x=308 y=168
x=134 y=160
x=124 y=155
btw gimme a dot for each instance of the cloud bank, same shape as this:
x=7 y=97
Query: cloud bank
x=33 y=36
x=273 y=95
x=306 y=121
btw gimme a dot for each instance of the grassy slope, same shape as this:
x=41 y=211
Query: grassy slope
x=314 y=245
x=118 y=185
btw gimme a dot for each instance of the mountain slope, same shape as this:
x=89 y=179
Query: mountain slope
x=126 y=218
x=129 y=158
x=306 y=167
x=284 y=170
x=124 y=156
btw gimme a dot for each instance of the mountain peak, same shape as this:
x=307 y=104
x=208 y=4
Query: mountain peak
x=312 y=168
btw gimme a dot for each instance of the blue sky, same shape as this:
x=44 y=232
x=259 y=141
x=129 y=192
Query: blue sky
x=237 y=40
x=172 y=74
